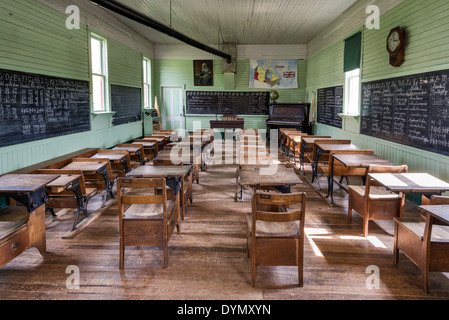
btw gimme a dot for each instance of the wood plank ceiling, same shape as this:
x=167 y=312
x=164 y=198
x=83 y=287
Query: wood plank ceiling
x=243 y=22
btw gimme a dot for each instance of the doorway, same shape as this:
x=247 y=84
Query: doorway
x=172 y=109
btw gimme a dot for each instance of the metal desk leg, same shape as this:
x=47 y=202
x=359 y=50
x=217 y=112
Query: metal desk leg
x=80 y=200
x=108 y=185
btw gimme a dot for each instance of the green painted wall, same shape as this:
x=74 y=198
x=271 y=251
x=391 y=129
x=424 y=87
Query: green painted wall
x=427 y=50
x=34 y=39
x=179 y=73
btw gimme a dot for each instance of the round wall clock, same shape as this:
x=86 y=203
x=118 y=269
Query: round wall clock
x=396 y=46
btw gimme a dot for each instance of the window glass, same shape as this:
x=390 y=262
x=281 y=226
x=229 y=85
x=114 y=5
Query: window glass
x=98 y=93
x=99 y=74
x=147 y=83
x=352 y=92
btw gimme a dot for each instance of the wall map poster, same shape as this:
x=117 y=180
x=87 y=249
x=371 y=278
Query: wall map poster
x=273 y=74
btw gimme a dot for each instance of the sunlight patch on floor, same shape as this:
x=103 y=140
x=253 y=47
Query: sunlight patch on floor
x=374 y=240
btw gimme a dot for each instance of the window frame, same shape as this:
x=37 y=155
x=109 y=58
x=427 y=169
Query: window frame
x=352 y=95
x=103 y=75
x=147 y=83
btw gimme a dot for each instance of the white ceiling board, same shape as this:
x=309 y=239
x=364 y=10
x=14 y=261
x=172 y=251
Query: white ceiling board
x=244 y=22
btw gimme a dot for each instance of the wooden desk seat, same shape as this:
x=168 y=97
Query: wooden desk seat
x=19 y=231
x=374 y=202
x=424 y=241
x=11 y=219
x=23 y=227
x=68 y=199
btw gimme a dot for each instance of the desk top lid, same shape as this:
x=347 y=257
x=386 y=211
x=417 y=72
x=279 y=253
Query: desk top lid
x=25 y=182
x=160 y=171
x=411 y=182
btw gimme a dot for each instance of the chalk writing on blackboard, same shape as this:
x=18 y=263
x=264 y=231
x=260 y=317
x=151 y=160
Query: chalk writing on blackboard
x=411 y=110
x=216 y=102
x=329 y=105
x=35 y=107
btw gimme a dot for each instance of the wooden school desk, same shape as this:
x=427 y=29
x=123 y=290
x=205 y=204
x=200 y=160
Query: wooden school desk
x=133 y=149
x=94 y=167
x=307 y=145
x=23 y=227
x=354 y=162
x=420 y=183
x=254 y=177
x=115 y=158
x=326 y=149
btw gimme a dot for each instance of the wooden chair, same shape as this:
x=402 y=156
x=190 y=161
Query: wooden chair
x=146 y=218
x=424 y=241
x=373 y=202
x=275 y=234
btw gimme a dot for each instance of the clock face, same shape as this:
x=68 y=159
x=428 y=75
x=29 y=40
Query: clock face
x=394 y=41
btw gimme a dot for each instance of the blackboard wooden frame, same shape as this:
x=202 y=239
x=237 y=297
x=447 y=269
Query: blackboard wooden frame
x=411 y=110
x=36 y=107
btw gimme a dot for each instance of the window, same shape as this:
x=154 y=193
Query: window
x=147 y=83
x=352 y=64
x=352 y=92
x=99 y=74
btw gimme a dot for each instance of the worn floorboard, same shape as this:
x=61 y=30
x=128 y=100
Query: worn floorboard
x=208 y=261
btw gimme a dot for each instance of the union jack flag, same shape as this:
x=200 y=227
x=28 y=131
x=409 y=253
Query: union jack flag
x=289 y=74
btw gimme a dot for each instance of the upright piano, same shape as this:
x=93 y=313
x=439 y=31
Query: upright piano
x=289 y=115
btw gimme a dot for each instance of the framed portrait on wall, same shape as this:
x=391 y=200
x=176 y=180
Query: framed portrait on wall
x=203 y=72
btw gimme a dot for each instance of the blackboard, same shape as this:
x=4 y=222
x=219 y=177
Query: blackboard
x=126 y=102
x=35 y=107
x=216 y=102
x=329 y=105
x=411 y=110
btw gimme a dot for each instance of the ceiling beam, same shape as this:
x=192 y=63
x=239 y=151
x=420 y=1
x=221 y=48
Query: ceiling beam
x=129 y=13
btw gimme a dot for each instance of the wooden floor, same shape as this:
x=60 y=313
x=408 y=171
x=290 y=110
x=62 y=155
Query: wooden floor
x=207 y=261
